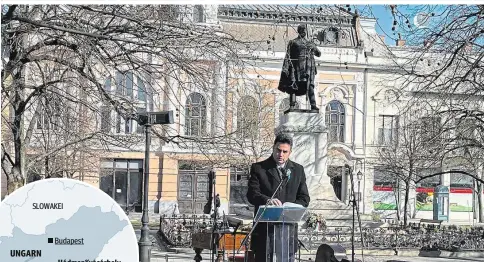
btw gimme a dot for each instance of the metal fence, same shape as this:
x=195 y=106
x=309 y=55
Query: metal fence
x=427 y=238
x=176 y=231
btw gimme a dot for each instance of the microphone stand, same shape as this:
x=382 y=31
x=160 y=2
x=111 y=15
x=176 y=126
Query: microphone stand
x=299 y=245
x=353 y=227
x=256 y=222
x=214 y=238
x=302 y=244
x=235 y=236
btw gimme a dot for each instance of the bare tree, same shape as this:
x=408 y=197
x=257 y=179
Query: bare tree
x=68 y=56
x=442 y=60
x=464 y=149
x=423 y=141
x=98 y=66
x=440 y=66
x=415 y=144
x=443 y=48
x=243 y=138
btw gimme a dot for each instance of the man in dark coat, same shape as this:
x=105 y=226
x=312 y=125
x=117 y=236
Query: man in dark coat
x=299 y=68
x=264 y=179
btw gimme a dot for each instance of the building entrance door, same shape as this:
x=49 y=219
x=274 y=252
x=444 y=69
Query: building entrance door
x=192 y=191
x=193 y=186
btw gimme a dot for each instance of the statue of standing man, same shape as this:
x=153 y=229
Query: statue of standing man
x=299 y=69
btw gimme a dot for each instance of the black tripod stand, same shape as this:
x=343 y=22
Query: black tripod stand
x=213 y=197
x=299 y=245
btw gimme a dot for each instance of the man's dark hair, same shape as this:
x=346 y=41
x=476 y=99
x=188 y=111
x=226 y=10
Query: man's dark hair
x=283 y=139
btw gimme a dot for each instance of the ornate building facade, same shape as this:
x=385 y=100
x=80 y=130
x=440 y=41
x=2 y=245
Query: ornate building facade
x=352 y=93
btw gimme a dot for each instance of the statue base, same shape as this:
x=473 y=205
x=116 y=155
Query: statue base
x=309 y=135
x=325 y=202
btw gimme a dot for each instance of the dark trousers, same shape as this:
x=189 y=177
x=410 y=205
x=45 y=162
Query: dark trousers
x=310 y=93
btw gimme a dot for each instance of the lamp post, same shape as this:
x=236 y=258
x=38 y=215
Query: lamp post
x=353 y=202
x=144 y=240
x=359 y=177
x=147 y=120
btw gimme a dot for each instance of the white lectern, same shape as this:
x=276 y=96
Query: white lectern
x=281 y=223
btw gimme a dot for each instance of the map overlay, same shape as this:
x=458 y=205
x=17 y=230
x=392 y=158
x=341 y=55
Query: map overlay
x=64 y=220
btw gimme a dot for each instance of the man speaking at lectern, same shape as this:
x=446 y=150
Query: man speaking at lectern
x=265 y=176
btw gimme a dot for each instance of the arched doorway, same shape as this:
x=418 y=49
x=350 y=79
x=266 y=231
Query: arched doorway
x=339 y=157
x=336 y=174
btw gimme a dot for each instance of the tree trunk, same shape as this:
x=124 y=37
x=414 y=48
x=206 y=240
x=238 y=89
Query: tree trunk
x=397 y=202
x=18 y=176
x=480 y=205
x=18 y=167
x=46 y=168
x=405 y=204
x=14 y=181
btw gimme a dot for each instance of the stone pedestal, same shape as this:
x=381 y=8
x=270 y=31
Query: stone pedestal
x=310 y=140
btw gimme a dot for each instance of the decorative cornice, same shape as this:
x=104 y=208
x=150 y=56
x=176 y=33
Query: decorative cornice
x=254 y=13
x=285 y=128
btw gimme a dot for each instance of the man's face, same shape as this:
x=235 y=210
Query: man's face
x=281 y=152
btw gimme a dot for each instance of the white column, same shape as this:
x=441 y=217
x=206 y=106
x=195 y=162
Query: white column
x=358 y=115
x=218 y=101
x=367 y=188
x=345 y=180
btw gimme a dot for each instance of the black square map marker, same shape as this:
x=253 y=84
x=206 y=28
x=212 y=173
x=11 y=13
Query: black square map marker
x=50 y=240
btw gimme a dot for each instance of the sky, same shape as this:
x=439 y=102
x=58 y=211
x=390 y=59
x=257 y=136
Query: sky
x=384 y=20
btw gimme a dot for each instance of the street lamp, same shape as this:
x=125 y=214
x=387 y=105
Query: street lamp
x=147 y=120
x=359 y=177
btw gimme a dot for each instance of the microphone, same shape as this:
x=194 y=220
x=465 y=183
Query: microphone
x=286 y=173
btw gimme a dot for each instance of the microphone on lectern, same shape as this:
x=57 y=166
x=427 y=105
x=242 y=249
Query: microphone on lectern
x=288 y=174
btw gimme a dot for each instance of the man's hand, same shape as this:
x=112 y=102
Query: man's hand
x=275 y=202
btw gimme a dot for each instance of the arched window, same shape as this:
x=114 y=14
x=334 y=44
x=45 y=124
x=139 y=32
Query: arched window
x=335 y=121
x=247 y=115
x=198 y=14
x=195 y=115
x=285 y=106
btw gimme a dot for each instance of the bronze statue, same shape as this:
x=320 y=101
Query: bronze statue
x=299 y=69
